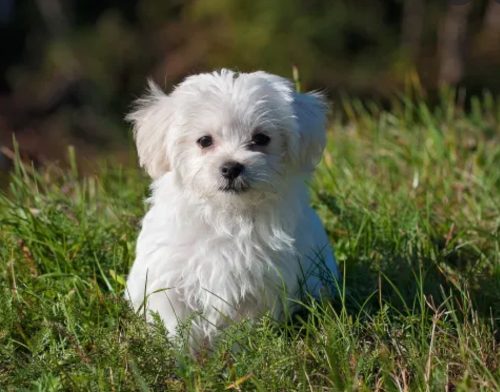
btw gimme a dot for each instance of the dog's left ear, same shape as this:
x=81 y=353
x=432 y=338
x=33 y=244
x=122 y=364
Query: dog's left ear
x=310 y=112
x=152 y=119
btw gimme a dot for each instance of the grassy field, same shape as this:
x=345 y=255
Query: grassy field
x=411 y=199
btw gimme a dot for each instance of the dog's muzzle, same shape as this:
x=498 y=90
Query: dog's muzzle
x=232 y=172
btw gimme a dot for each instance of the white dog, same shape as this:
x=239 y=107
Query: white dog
x=229 y=234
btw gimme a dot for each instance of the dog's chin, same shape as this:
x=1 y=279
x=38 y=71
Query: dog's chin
x=234 y=190
x=235 y=187
x=240 y=194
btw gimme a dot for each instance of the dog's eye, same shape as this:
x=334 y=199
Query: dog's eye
x=260 y=139
x=205 y=141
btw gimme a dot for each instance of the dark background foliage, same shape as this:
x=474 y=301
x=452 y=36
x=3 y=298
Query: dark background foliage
x=70 y=69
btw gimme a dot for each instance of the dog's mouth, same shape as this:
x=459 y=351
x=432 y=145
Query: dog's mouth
x=235 y=187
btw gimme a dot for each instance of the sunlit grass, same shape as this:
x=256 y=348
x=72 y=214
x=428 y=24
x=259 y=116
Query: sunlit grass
x=410 y=198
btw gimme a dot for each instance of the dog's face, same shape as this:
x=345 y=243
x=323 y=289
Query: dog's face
x=228 y=135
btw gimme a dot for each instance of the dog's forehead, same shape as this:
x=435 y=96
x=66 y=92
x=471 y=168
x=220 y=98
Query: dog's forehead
x=238 y=87
x=220 y=100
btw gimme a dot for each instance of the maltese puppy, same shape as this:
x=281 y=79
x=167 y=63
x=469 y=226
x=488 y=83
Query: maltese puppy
x=229 y=234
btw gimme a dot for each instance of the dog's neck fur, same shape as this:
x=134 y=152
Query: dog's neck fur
x=263 y=216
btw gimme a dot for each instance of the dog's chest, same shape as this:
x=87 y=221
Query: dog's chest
x=236 y=272
x=226 y=261
x=232 y=260
x=236 y=250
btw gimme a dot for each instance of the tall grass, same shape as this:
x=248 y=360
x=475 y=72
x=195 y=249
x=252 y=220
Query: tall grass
x=410 y=199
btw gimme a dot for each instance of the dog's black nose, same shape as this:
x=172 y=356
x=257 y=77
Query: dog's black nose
x=231 y=170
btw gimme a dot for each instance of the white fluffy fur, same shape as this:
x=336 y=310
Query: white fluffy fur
x=211 y=256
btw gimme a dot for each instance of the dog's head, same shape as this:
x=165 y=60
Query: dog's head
x=230 y=134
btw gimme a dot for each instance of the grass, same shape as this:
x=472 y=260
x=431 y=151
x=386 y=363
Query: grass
x=410 y=198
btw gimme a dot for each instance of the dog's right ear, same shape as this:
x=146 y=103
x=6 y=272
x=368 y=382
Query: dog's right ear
x=152 y=117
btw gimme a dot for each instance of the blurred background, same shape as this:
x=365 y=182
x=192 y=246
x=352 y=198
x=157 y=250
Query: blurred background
x=69 y=69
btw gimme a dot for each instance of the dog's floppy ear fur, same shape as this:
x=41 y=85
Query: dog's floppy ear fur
x=152 y=117
x=310 y=112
